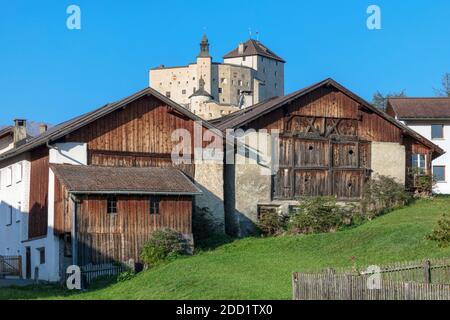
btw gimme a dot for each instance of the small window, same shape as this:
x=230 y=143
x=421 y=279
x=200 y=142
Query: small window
x=183 y=91
x=220 y=90
x=9 y=216
x=437 y=131
x=154 y=205
x=9 y=174
x=168 y=94
x=67 y=245
x=418 y=162
x=112 y=205
x=41 y=255
x=244 y=58
x=439 y=173
x=18 y=211
x=19 y=172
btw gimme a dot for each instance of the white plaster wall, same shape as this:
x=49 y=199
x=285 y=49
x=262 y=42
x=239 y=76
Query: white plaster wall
x=424 y=128
x=69 y=153
x=389 y=159
x=15 y=195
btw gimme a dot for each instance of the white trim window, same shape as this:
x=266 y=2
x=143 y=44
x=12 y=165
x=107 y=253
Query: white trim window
x=19 y=172
x=419 y=161
x=19 y=211
x=9 y=215
x=9 y=174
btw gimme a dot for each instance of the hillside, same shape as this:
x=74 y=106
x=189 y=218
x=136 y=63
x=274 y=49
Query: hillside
x=257 y=268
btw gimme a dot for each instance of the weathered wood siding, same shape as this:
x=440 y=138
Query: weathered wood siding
x=37 y=221
x=325 y=144
x=138 y=135
x=104 y=237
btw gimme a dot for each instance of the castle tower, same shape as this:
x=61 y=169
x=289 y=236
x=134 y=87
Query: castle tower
x=204 y=65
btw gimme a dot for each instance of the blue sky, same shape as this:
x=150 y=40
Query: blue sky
x=49 y=73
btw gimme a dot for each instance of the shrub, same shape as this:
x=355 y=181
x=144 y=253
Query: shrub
x=270 y=223
x=319 y=214
x=126 y=275
x=441 y=234
x=382 y=194
x=163 y=244
x=202 y=224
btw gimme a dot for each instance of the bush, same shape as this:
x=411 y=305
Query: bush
x=202 y=224
x=270 y=223
x=126 y=275
x=319 y=214
x=441 y=234
x=163 y=244
x=381 y=195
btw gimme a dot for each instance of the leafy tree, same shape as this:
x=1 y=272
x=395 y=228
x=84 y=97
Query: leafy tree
x=379 y=100
x=445 y=90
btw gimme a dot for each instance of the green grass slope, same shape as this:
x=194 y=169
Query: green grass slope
x=260 y=268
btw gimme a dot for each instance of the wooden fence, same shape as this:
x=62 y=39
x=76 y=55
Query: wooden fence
x=10 y=266
x=429 y=280
x=91 y=272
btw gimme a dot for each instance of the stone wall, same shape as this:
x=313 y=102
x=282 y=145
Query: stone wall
x=209 y=178
x=389 y=159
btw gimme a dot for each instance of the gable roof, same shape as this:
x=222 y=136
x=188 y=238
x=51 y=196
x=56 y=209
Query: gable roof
x=67 y=127
x=124 y=180
x=6 y=130
x=421 y=108
x=244 y=116
x=252 y=48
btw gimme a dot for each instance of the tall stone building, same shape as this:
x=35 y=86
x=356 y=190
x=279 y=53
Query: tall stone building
x=249 y=74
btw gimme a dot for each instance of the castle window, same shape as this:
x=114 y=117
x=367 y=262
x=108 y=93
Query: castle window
x=220 y=90
x=183 y=91
x=168 y=94
x=244 y=58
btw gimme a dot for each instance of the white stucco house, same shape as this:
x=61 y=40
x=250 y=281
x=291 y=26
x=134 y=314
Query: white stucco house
x=429 y=117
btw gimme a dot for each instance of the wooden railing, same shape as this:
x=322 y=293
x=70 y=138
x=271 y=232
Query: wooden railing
x=428 y=280
x=11 y=266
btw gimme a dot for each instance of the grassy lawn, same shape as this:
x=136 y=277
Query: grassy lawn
x=260 y=268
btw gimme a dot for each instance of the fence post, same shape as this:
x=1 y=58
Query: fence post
x=427 y=271
x=19 y=266
x=350 y=287
x=295 y=286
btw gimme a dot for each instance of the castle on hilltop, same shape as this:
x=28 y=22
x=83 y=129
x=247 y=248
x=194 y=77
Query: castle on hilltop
x=249 y=74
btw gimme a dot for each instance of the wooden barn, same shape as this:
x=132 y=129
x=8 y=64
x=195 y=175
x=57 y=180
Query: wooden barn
x=330 y=141
x=115 y=209
x=95 y=187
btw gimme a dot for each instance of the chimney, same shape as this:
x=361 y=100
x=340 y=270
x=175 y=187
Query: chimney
x=42 y=128
x=241 y=48
x=20 y=130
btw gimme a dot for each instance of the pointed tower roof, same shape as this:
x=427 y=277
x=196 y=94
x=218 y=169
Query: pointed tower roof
x=201 y=92
x=204 y=47
x=253 y=48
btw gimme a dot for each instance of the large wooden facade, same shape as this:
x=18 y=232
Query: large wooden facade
x=38 y=215
x=325 y=144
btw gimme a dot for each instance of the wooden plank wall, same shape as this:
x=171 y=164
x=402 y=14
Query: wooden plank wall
x=138 y=135
x=104 y=237
x=37 y=222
